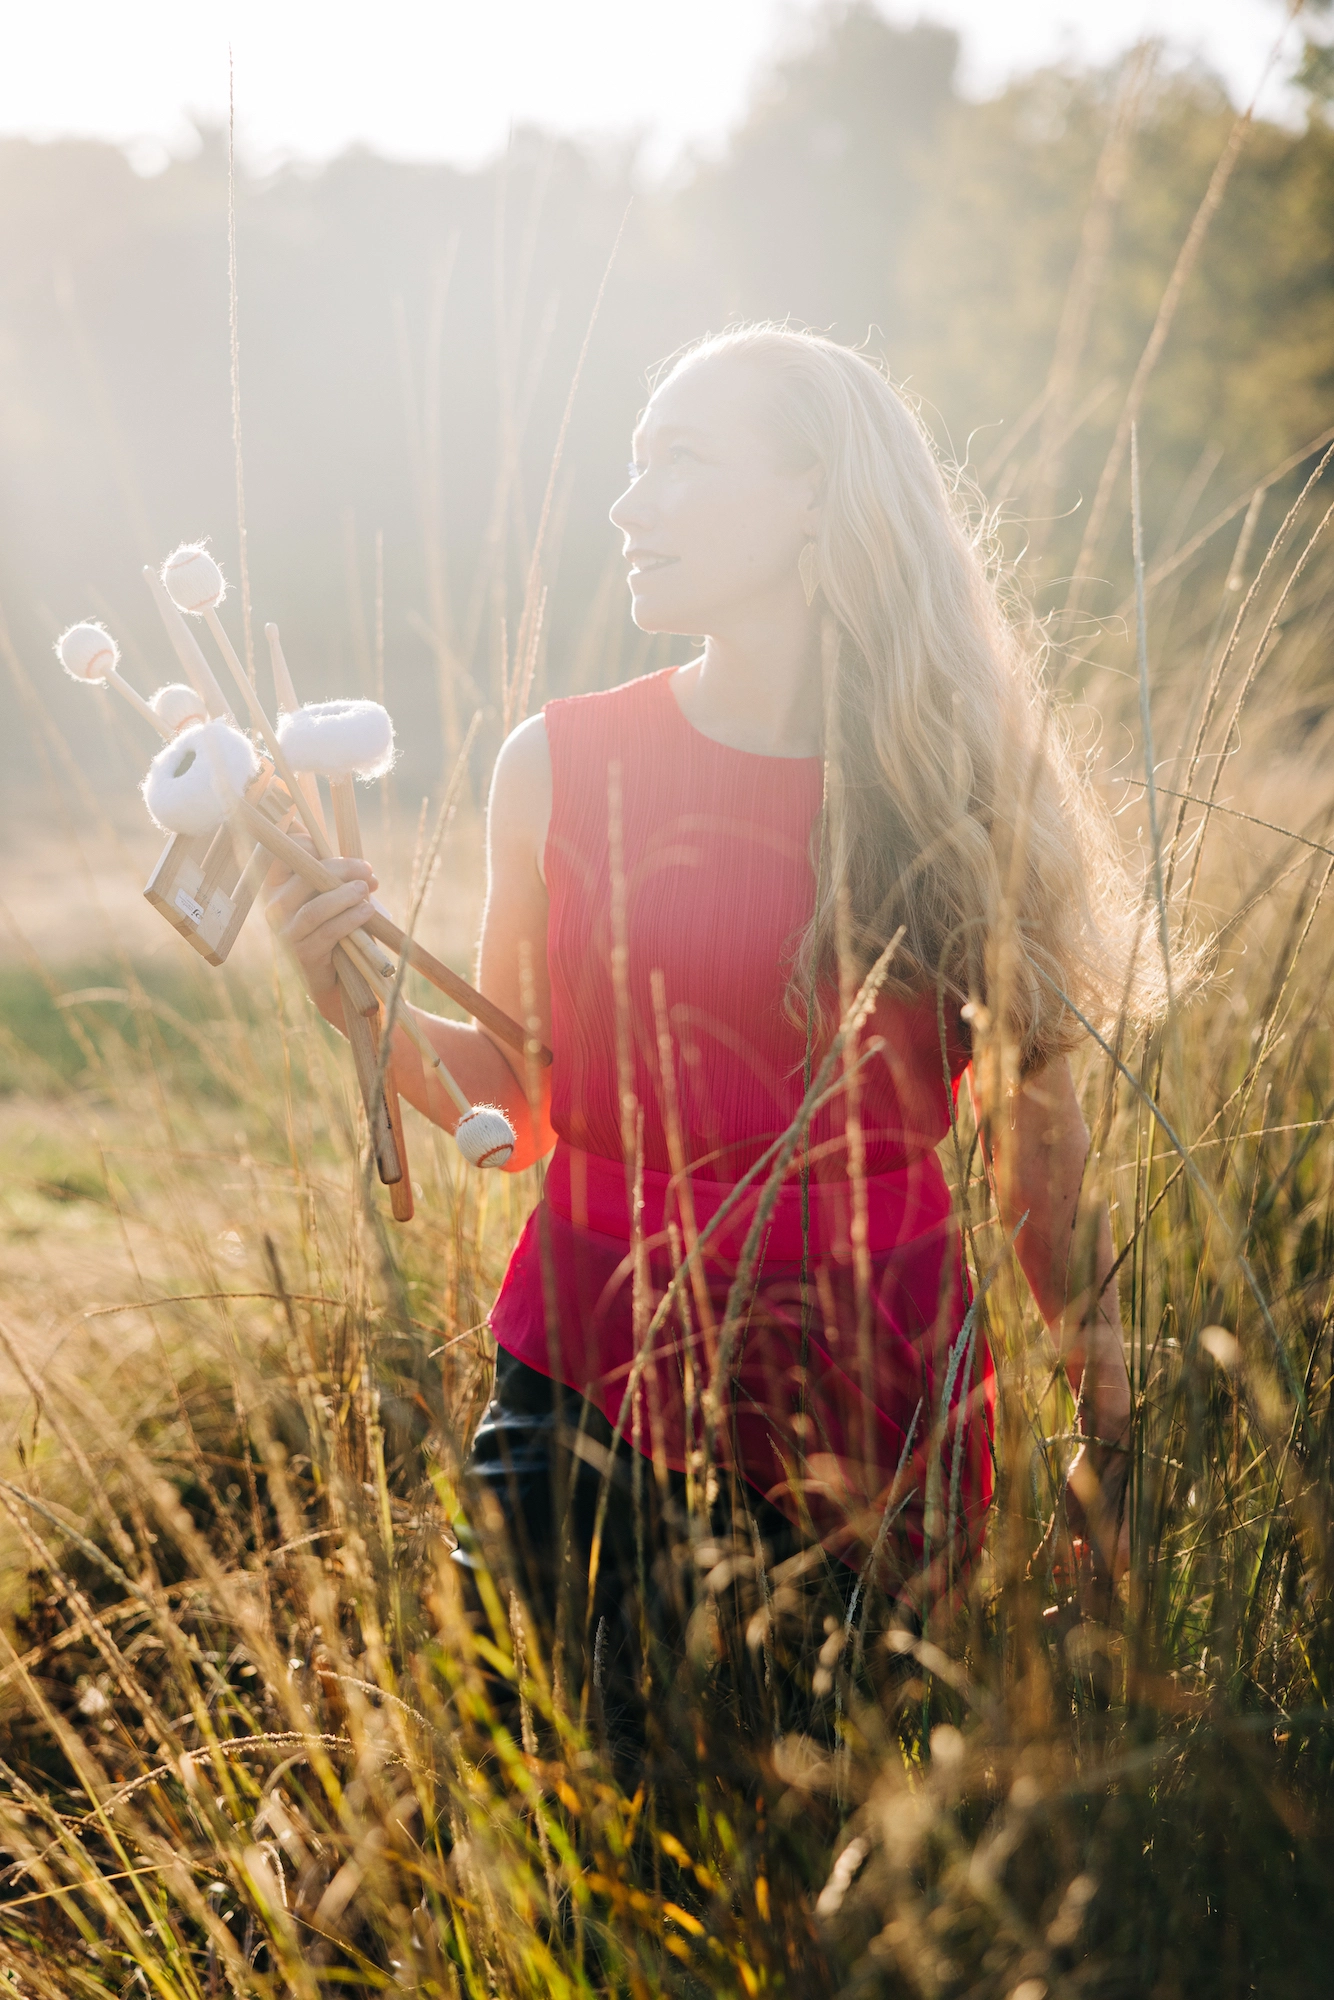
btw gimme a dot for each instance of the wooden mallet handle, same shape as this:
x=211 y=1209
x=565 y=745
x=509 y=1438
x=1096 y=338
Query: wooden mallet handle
x=401 y=1203
x=197 y=669
x=136 y=701
x=361 y=1018
x=347 y=821
x=491 y=1017
x=347 y=831
x=313 y=870
x=286 y=693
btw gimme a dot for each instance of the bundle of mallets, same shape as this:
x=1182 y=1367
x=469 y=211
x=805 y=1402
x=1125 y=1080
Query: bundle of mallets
x=227 y=802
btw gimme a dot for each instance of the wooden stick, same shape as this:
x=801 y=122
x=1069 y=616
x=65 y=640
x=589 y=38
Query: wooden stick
x=494 y=1018
x=401 y=1204
x=369 y=1022
x=314 y=821
x=283 y=686
x=197 y=669
x=421 y=1042
x=363 y=1035
x=364 y=1043
x=357 y=989
x=136 y=700
x=347 y=824
x=347 y=829
x=283 y=848
x=286 y=692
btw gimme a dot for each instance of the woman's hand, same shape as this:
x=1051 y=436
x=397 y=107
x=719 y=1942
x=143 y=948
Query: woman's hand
x=310 y=923
x=1097 y=1522
x=1096 y=1486
x=1038 y=1148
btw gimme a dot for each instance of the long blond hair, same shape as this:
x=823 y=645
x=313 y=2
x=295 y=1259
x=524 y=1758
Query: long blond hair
x=956 y=806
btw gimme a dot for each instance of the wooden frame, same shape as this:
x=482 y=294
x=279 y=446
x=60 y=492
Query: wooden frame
x=205 y=887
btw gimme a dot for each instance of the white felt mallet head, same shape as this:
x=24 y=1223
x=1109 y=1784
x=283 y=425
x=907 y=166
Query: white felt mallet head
x=485 y=1136
x=195 y=781
x=338 y=739
x=176 y=706
x=88 y=653
x=193 y=580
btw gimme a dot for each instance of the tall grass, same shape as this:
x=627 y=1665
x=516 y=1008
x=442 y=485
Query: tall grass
x=256 y=1738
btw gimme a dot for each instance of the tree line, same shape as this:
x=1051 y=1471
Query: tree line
x=408 y=335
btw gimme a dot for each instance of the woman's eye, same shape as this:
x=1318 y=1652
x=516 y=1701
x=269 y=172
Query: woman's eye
x=680 y=451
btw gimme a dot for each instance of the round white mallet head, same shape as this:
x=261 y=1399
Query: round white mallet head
x=193 y=580
x=176 y=706
x=485 y=1136
x=338 y=739
x=195 y=781
x=88 y=653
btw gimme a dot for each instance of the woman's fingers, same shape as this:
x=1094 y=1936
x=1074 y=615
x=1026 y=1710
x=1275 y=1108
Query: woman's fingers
x=322 y=921
x=285 y=893
x=311 y=922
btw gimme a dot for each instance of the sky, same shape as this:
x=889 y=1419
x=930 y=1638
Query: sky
x=446 y=79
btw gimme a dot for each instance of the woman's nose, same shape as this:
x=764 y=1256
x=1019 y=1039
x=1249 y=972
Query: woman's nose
x=630 y=512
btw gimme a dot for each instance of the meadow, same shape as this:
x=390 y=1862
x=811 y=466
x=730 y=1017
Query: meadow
x=253 y=1741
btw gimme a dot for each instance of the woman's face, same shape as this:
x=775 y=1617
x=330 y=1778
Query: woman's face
x=713 y=524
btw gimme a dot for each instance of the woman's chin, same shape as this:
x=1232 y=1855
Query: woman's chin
x=652 y=613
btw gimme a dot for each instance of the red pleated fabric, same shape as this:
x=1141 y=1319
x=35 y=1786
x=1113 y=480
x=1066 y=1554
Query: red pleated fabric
x=681 y=873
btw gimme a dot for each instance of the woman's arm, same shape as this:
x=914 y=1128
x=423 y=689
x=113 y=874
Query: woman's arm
x=1038 y=1149
x=512 y=955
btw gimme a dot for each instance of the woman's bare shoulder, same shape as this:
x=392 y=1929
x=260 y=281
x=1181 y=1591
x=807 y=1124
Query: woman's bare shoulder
x=525 y=758
x=520 y=809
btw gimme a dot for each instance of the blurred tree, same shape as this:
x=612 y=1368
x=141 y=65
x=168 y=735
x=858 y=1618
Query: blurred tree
x=409 y=333
x=1247 y=375
x=808 y=213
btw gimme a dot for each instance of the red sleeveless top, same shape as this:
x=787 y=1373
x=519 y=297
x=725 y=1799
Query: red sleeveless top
x=855 y=1382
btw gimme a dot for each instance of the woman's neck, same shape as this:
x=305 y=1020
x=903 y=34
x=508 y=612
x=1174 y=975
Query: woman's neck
x=758 y=691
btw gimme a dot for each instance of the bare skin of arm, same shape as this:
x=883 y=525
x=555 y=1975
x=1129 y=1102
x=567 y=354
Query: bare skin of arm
x=511 y=963
x=1037 y=1150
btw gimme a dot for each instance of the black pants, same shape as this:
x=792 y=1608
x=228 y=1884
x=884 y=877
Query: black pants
x=672 y=1620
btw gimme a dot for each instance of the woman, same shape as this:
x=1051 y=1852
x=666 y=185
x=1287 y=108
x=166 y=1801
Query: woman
x=690 y=877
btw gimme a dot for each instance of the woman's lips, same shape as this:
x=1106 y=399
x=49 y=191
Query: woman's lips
x=644 y=560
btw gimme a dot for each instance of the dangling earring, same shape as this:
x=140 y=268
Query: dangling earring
x=808 y=569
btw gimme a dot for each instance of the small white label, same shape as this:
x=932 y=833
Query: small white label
x=216 y=917
x=188 y=907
